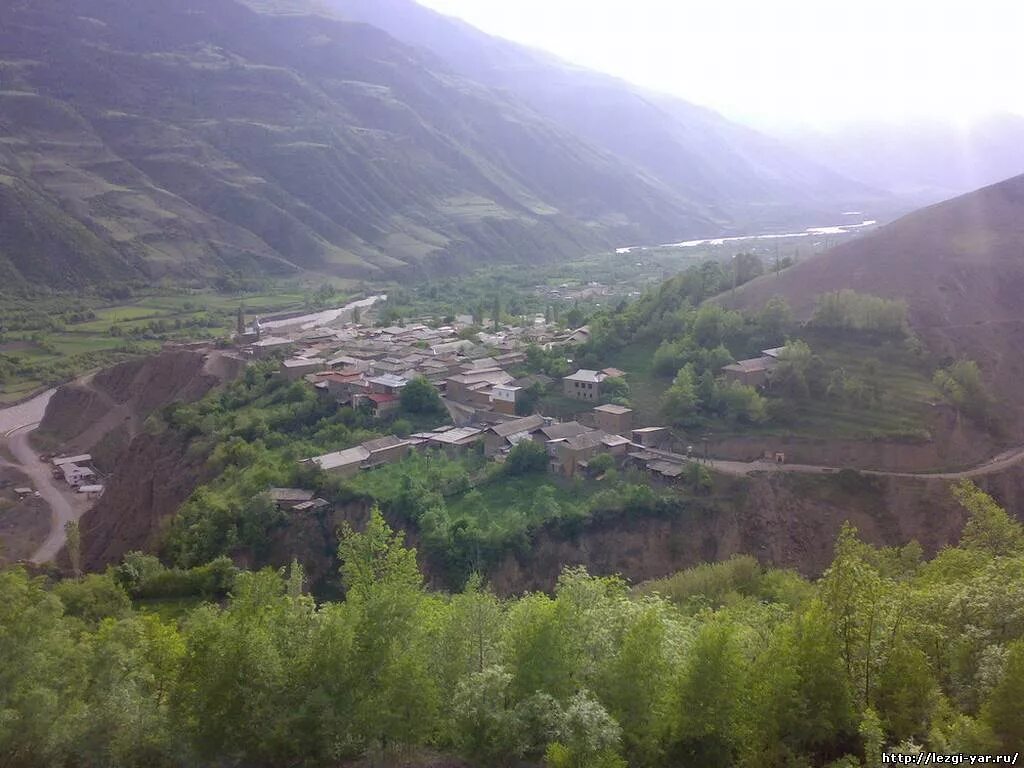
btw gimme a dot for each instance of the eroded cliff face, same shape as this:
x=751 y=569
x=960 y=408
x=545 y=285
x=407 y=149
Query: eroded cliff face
x=101 y=414
x=147 y=475
x=156 y=475
x=786 y=520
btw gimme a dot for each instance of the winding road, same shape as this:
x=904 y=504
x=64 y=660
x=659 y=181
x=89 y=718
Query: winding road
x=16 y=424
x=998 y=463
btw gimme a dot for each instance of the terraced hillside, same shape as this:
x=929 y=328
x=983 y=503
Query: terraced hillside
x=147 y=138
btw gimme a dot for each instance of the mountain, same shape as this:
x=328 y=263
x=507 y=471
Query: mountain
x=751 y=180
x=141 y=138
x=959 y=265
x=924 y=160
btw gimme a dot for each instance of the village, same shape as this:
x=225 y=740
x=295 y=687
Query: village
x=354 y=363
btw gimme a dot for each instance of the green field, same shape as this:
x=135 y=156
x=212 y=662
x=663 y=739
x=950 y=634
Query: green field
x=48 y=340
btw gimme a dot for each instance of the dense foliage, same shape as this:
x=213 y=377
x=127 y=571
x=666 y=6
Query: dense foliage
x=734 y=665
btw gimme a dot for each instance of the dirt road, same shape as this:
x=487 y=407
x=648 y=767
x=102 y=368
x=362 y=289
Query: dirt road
x=64 y=504
x=29 y=412
x=995 y=464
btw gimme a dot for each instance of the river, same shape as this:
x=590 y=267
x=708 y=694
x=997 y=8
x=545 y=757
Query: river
x=322 y=318
x=839 y=229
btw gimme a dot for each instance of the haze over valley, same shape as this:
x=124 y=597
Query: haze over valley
x=493 y=384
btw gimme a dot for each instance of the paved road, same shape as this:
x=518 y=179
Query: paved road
x=64 y=506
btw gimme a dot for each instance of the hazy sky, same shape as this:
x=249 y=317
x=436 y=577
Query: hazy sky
x=786 y=61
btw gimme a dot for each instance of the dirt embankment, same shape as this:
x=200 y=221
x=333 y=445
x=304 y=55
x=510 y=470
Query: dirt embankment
x=789 y=521
x=101 y=414
x=783 y=520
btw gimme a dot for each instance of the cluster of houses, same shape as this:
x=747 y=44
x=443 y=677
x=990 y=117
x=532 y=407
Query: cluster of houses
x=570 y=445
x=78 y=473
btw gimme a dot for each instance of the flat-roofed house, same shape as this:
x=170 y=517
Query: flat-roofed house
x=295 y=368
x=386 y=450
x=472 y=387
x=503 y=398
x=270 y=345
x=616 y=419
x=387 y=384
x=584 y=385
x=573 y=453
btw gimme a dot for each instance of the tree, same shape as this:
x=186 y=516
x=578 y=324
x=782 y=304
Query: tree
x=680 y=400
x=746 y=266
x=420 y=396
x=496 y=313
x=706 y=703
x=74 y=546
x=375 y=556
x=989 y=528
x=526 y=457
x=240 y=321
x=961 y=384
x=614 y=389
x=1004 y=709
x=575 y=318
x=698 y=477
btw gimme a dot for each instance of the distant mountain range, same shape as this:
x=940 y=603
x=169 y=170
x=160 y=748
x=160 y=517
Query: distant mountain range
x=959 y=265
x=144 y=138
x=921 y=161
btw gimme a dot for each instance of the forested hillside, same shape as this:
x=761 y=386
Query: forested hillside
x=723 y=665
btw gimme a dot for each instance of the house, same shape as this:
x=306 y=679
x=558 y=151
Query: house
x=651 y=437
x=385 y=450
x=271 y=345
x=498 y=437
x=92 y=491
x=295 y=368
x=572 y=454
x=560 y=431
x=464 y=387
x=386 y=384
x=616 y=419
x=579 y=336
x=456 y=439
x=584 y=384
x=341 y=386
x=23 y=493
x=287 y=498
x=504 y=398
x=753 y=372
x=75 y=475
x=614 y=373
x=372 y=453
x=378 y=404
x=342 y=463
